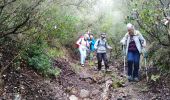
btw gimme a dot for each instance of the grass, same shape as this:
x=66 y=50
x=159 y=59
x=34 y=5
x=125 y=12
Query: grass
x=76 y=67
x=55 y=53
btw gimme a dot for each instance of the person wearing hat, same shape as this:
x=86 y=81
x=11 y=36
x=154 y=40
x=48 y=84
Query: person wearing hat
x=101 y=46
x=133 y=42
x=83 y=47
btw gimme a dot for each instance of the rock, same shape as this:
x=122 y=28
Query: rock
x=17 y=96
x=73 y=97
x=74 y=91
x=119 y=99
x=105 y=94
x=1 y=55
x=68 y=89
x=85 y=75
x=108 y=83
x=95 y=92
x=86 y=99
x=84 y=93
x=89 y=81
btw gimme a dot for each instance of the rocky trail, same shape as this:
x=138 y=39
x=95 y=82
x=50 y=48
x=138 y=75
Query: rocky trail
x=75 y=83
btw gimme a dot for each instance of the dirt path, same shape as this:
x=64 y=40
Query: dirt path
x=75 y=83
x=95 y=83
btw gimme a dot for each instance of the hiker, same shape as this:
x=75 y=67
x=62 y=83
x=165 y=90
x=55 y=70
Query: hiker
x=92 y=49
x=83 y=47
x=133 y=42
x=101 y=46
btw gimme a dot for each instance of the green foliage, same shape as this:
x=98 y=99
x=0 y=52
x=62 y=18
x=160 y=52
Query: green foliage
x=38 y=60
x=155 y=77
x=149 y=16
x=161 y=58
x=54 y=52
x=59 y=25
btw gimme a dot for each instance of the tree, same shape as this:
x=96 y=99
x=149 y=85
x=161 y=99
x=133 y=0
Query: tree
x=149 y=16
x=17 y=16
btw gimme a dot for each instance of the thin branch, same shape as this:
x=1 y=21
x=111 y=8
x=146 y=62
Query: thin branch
x=16 y=28
x=163 y=8
x=22 y=24
x=74 y=4
x=5 y=4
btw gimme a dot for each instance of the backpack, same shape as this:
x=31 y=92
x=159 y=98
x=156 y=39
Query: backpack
x=77 y=45
x=99 y=43
x=81 y=37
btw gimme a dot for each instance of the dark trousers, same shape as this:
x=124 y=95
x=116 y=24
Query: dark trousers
x=100 y=57
x=133 y=63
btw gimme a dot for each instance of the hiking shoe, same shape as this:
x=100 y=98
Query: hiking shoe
x=136 y=79
x=130 y=78
x=108 y=70
x=82 y=65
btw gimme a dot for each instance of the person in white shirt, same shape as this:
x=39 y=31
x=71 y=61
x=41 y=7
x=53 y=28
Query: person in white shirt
x=83 y=47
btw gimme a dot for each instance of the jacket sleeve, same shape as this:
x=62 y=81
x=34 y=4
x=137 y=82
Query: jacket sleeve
x=108 y=46
x=88 y=44
x=93 y=42
x=124 y=39
x=78 y=41
x=142 y=39
x=96 y=44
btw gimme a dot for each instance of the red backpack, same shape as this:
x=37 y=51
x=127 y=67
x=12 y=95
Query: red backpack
x=77 y=45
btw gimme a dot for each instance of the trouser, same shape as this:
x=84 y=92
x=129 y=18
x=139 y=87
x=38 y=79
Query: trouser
x=82 y=55
x=133 y=63
x=91 y=55
x=100 y=57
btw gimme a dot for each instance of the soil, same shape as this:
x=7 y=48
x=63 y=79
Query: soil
x=26 y=84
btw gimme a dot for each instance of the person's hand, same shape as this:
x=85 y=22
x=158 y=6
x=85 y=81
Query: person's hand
x=111 y=48
x=144 y=46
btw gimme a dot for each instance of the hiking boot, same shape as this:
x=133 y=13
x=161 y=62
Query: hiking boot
x=108 y=70
x=130 y=78
x=82 y=65
x=136 y=79
x=99 y=70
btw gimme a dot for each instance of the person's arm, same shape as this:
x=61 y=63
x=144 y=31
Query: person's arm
x=124 y=39
x=79 y=41
x=93 y=42
x=142 y=39
x=88 y=44
x=107 y=46
x=96 y=44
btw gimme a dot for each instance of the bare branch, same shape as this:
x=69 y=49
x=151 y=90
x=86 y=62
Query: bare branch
x=5 y=4
x=74 y=4
x=163 y=6
x=16 y=28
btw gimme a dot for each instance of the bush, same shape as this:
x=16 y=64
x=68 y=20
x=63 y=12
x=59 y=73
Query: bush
x=38 y=60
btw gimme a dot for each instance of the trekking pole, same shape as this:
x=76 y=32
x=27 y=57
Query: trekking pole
x=124 y=61
x=146 y=68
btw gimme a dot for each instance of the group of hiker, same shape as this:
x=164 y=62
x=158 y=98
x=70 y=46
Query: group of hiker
x=133 y=42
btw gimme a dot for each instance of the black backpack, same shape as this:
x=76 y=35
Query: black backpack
x=99 y=43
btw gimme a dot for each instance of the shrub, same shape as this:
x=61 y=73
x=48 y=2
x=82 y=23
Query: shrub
x=38 y=60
